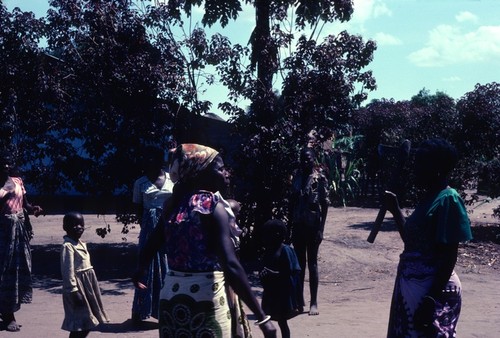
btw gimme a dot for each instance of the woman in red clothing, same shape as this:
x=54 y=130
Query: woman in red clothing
x=15 y=252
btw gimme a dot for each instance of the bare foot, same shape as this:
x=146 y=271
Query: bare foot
x=13 y=326
x=313 y=311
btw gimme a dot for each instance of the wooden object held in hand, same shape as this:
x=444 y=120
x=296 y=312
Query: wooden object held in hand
x=393 y=160
x=377 y=225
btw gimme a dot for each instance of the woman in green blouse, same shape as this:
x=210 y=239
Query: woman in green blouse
x=427 y=293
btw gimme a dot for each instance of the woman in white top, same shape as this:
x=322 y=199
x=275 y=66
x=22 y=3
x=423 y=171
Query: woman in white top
x=150 y=193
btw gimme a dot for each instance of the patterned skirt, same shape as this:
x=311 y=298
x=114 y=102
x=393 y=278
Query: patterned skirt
x=413 y=281
x=15 y=263
x=194 y=305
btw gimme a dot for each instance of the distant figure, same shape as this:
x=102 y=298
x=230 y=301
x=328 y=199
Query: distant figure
x=150 y=193
x=308 y=210
x=282 y=297
x=83 y=309
x=427 y=295
x=15 y=251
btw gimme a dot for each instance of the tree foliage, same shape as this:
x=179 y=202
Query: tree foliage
x=112 y=77
x=318 y=93
x=108 y=79
x=471 y=124
x=80 y=109
x=478 y=140
x=319 y=81
x=23 y=84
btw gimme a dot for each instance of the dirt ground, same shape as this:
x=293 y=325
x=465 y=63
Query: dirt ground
x=356 y=278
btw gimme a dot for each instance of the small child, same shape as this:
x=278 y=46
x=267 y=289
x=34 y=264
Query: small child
x=282 y=295
x=83 y=308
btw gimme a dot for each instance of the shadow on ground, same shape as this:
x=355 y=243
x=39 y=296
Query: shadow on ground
x=387 y=226
x=112 y=262
x=127 y=326
x=489 y=232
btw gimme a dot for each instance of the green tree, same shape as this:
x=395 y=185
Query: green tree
x=321 y=82
x=23 y=84
x=436 y=114
x=390 y=122
x=113 y=91
x=478 y=140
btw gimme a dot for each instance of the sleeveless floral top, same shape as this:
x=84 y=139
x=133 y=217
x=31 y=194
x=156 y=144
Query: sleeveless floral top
x=186 y=238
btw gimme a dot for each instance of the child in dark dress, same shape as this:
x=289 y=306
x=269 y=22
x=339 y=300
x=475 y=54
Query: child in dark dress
x=282 y=297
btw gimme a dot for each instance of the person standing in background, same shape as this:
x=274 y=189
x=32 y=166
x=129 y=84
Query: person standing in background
x=308 y=210
x=149 y=195
x=15 y=251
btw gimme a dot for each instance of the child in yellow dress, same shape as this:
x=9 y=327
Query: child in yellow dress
x=83 y=308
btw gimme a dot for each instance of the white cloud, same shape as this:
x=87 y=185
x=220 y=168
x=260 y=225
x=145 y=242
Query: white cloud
x=452 y=79
x=449 y=45
x=384 y=39
x=368 y=9
x=466 y=16
x=381 y=9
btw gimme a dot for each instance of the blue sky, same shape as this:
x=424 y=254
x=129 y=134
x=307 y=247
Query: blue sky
x=440 y=45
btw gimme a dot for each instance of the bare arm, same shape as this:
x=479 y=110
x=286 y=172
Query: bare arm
x=324 y=213
x=324 y=201
x=36 y=210
x=139 y=211
x=233 y=271
x=447 y=258
x=448 y=254
x=392 y=205
x=153 y=244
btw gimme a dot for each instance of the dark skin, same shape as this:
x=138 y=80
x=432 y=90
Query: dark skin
x=5 y=169
x=74 y=229
x=432 y=182
x=309 y=253
x=273 y=247
x=214 y=178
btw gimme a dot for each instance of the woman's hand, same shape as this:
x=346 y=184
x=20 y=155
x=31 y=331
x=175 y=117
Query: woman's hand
x=392 y=205
x=424 y=315
x=37 y=210
x=391 y=202
x=136 y=279
x=77 y=298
